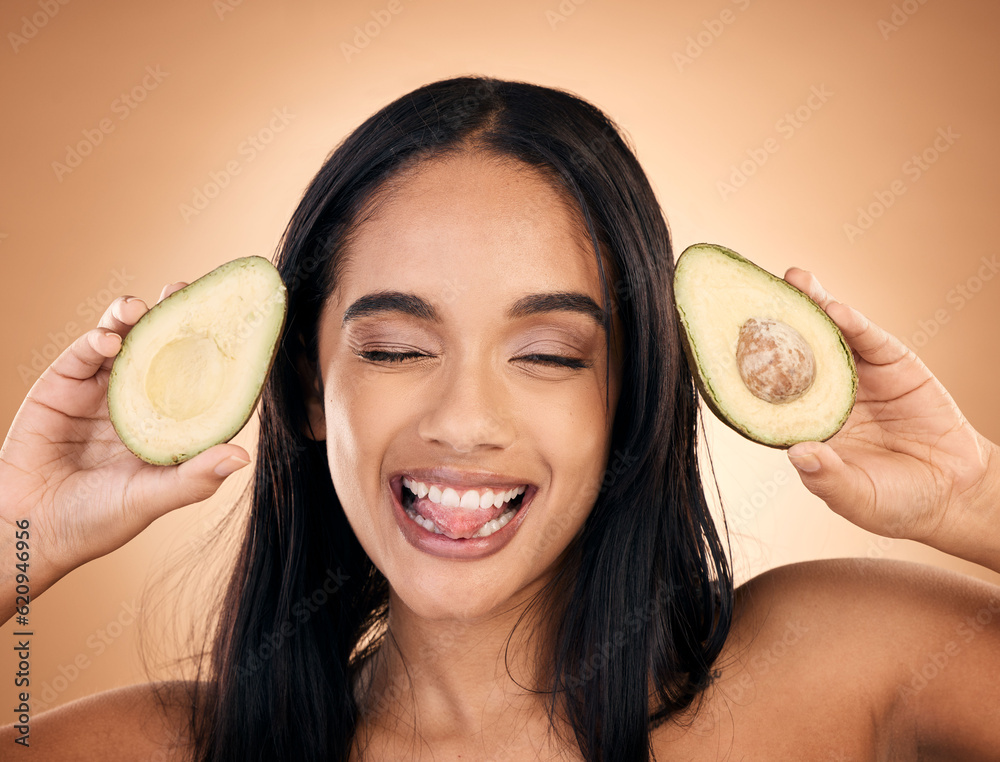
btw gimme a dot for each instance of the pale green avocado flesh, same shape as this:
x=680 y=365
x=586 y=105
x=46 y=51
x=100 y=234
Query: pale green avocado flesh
x=190 y=372
x=769 y=362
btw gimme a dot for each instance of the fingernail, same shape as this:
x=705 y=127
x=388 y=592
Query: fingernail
x=230 y=465
x=808 y=463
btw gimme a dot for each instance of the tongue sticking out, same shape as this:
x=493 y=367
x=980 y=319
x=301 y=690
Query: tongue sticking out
x=458 y=523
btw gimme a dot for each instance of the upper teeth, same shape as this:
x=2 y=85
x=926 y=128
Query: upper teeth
x=469 y=498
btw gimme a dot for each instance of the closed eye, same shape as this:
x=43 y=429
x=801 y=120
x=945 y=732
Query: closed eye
x=383 y=356
x=556 y=360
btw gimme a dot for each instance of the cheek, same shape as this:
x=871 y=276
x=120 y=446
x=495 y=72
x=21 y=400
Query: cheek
x=369 y=415
x=362 y=408
x=359 y=422
x=577 y=468
x=574 y=422
x=572 y=432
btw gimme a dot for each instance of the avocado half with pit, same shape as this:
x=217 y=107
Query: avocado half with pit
x=769 y=362
x=189 y=373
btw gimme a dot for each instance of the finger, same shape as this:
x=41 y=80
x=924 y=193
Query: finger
x=808 y=284
x=123 y=313
x=873 y=344
x=169 y=487
x=824 y=473
x=169 y=289
x=59 y=387
x=85 y=356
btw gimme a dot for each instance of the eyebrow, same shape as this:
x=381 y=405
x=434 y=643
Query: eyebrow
x=561 y=301
x=415 y=306
x=390 y=301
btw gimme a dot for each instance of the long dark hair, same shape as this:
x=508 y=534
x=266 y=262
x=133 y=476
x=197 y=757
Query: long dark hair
x=648 y=604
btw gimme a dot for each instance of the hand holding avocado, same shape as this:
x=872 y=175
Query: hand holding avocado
x=906 y=463
x=65 y=470
x=785 y=365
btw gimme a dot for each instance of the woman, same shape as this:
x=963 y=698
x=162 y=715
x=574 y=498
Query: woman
x=480 y=313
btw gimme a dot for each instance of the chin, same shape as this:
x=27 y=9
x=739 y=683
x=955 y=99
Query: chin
x=436 y=590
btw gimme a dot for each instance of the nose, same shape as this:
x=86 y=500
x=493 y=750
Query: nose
x=470 y=411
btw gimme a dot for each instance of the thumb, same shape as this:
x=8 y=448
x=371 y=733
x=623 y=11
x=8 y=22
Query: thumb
x=200 y=477
x=826 y=475
x=194 y=480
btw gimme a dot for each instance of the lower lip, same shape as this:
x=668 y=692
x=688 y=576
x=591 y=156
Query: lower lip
x=445 y=547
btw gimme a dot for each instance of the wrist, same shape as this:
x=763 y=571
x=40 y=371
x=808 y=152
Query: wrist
x=973 y=531
x=25 y=569
x=989 y=504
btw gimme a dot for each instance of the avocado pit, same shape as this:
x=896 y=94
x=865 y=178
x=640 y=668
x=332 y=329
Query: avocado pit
x=775 y=362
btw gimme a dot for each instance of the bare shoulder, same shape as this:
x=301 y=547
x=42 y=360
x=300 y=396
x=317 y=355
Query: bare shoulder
x=848 y=592
x=860 y=609
x=146 y=721
x=857 y=657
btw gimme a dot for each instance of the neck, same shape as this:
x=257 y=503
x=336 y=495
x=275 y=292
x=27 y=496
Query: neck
x=462 y=677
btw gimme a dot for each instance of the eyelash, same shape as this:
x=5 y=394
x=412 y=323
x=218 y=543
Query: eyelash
x=381 y=356
x=556 y=360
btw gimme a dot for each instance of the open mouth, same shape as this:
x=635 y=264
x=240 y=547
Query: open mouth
x=461 y=515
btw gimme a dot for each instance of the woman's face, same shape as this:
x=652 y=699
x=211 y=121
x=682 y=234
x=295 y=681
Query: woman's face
x=463 y=368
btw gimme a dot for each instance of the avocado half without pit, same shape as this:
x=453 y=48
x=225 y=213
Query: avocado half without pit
x=769 y=362
x=189 y=373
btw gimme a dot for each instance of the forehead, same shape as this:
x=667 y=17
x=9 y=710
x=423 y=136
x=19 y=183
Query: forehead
x=468 y=220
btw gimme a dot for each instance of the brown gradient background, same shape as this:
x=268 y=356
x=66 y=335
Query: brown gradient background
x=61 y=241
